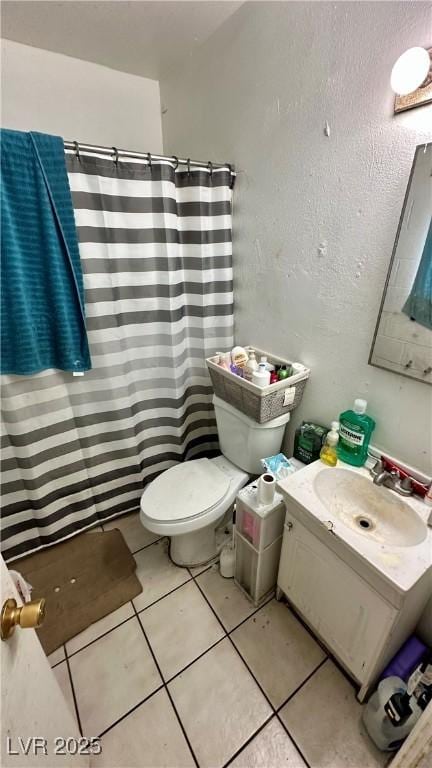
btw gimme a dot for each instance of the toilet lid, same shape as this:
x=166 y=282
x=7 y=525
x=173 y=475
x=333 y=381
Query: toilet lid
x=184 y=491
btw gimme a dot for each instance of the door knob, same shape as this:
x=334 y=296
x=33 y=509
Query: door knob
x=30 y=614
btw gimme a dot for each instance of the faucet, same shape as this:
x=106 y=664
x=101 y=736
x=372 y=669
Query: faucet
x=393 y=480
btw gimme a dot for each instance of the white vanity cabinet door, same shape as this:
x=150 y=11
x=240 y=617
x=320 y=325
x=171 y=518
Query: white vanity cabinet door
x=351 y=618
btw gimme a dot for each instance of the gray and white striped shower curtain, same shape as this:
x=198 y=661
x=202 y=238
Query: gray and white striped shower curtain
x=156 y=251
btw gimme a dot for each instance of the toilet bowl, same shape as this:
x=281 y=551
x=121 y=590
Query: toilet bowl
x=188 y=501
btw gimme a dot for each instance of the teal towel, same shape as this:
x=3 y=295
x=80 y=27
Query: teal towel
x=418 y=305
x=42 y=291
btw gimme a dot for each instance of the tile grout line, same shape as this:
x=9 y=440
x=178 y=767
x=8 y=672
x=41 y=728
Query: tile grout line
x=197 y=658
x=291 y=696
x=227 y=633
x=150 y=605
x=248 y=741
x=256 y=681
x=132 y=709
x=294 y=741
x=135 y=612
x=99 y=637
x=146 y=546
x=235 y=648
x=167 y=691
x=80 y=728
x=325 y=650
x=143 y=610
x=53 y=666
x=243 y=621
x=204 y=570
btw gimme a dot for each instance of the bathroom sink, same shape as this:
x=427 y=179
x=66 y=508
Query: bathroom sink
x=387 y=536
x=369 y=509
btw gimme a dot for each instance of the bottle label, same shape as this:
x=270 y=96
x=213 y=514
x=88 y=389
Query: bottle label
x=350 y=436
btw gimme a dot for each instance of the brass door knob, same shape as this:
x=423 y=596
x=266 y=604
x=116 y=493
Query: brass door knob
x=30 y=614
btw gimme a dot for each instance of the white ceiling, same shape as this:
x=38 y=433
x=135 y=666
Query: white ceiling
x=143 y=38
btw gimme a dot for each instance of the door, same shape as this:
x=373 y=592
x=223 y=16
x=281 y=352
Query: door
x=36 y=724
x=342 y=608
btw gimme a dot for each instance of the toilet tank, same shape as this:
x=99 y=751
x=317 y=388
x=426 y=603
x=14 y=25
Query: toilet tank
x=244 y=441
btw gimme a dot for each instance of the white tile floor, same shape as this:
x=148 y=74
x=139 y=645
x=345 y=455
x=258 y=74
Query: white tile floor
x=189 y=674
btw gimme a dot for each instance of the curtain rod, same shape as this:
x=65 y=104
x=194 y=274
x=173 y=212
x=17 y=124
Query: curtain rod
x=149 y=156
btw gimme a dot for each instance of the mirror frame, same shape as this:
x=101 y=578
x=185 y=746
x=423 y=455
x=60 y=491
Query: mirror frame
x=419 y=148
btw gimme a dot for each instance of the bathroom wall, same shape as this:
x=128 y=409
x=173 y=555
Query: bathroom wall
x=315 y=210
x=79 y=100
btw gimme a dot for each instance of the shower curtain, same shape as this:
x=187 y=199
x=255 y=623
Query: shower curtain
x=156 y=252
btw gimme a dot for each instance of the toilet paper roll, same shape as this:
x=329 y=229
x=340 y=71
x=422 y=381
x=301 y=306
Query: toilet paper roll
x=266 y=489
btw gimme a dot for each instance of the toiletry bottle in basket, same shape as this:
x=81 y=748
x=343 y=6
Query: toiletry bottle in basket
x=261 y=377
x=269 y=366
x=239 y=358
x=251 y=365
x=225 y=360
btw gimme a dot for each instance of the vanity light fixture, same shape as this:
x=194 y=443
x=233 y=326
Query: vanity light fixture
x=411 y=78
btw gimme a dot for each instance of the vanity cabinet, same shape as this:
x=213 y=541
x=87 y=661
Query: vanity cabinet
x=361 y=594
x=349 y=616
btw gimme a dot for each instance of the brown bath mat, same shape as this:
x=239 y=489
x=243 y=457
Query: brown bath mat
x=82 y=580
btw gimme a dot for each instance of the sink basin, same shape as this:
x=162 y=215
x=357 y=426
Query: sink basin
x=369 y=509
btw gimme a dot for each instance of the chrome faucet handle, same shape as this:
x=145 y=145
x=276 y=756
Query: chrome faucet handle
x=407 y=484
x=377 y=468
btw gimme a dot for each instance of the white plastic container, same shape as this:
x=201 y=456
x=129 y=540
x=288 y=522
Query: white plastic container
x=383 y=733
x=227 y=561
x=259 y=525
x=261 y=377
x=269 y=366
x=256 y=572
x=251 y=366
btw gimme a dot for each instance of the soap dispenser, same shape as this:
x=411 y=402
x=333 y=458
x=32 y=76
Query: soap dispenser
x=328 y=452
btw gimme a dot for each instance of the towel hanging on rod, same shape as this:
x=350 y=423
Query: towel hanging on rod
x=42 y=297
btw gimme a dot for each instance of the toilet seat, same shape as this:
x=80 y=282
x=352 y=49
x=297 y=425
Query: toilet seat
x=183 y=494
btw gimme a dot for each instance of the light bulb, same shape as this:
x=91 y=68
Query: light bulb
x=410 y=71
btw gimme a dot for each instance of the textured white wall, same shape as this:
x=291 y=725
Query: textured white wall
x=48 y=92
x=258 y=93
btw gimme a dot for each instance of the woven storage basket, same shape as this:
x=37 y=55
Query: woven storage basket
x=259 y=403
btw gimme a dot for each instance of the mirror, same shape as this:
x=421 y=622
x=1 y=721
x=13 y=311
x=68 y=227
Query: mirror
x=403 y=335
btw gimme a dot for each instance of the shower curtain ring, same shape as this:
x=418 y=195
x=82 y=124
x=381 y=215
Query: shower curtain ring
x=176 y=160
x=149 y=160
x=210 y=167
x=116 y=156
x=232 y=176
x=77 y=151
x=188 y=167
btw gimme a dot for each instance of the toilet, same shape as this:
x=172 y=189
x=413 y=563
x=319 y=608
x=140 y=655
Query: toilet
x=188 y=501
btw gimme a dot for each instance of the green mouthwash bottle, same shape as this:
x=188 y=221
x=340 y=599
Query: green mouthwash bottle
x=355 y=432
